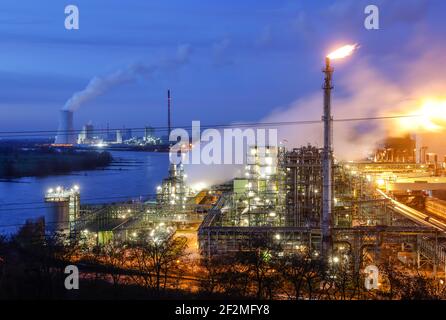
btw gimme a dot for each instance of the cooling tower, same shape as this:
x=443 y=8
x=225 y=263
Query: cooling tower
x=65 y=133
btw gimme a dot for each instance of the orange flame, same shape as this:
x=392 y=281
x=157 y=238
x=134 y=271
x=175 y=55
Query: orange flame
x=342 y=52
x=431 y=117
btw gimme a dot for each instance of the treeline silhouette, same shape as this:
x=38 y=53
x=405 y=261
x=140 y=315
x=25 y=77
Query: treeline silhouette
x=32 y=266
x=23 y=162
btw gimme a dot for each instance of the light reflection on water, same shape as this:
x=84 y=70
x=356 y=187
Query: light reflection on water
x=134 y=174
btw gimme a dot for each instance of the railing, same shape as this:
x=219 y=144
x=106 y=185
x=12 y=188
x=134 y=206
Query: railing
x=438 y=254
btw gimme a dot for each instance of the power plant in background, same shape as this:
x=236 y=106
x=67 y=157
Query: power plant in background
x=67 y=136
x=65 y=133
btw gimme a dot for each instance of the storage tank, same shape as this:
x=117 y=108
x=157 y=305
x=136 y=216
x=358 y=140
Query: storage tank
x=63 y=209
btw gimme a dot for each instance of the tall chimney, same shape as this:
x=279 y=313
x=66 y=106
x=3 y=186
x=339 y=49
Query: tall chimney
x=168 y=114
x=327 y=173
x=65 y=132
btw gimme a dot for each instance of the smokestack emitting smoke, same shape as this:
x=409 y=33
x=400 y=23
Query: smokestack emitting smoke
x=327 y=176
x=99 y=85
x=65 y=132
x=367 y=88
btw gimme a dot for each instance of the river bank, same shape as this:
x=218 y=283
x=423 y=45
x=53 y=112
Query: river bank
x=39 y=162
x=129 y=176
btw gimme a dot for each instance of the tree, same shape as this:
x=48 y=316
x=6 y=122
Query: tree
x=302 y=273
x=114 y=256
x=157 y=257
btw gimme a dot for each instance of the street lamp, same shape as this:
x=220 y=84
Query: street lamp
x=327 y=185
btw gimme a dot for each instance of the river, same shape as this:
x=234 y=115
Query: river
x=130 y=176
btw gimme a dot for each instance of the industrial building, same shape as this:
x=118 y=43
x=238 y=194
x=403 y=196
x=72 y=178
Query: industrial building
x=337 y=210
x=64 y=209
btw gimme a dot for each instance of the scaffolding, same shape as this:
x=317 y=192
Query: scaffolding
x=173 y=193
x=304 y=182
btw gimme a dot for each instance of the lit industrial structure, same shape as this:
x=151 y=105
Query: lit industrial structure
x=64 y=209
x=173 y=192
x=331 y=208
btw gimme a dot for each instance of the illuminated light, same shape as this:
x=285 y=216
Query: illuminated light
x=277 y=236
x=272 y=214
x=380 y=182
x=199 y=186
x=100 y=145
x=342 y=52
x=134 y=234
x=253 y=151
x=58 y=189
x=335 y=259
x=432 y=117
x=50 y=190
x=269 y=160
x=158 y=188
x=76 y=187
x=129 y=210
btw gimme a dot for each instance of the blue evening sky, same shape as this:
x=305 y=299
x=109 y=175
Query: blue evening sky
x=244 y=57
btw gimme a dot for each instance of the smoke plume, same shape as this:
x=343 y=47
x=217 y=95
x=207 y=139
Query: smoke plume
x=367 y=92
x=99 y=85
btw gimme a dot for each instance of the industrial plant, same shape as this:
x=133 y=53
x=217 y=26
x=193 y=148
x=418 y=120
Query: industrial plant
x=117 y=139
x=388 y=207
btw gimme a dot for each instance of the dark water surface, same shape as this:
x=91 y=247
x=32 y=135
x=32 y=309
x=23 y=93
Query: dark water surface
x=133 y=174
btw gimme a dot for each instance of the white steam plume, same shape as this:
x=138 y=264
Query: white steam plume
x=368 y=93
x=99 y=85
x=363 y=92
